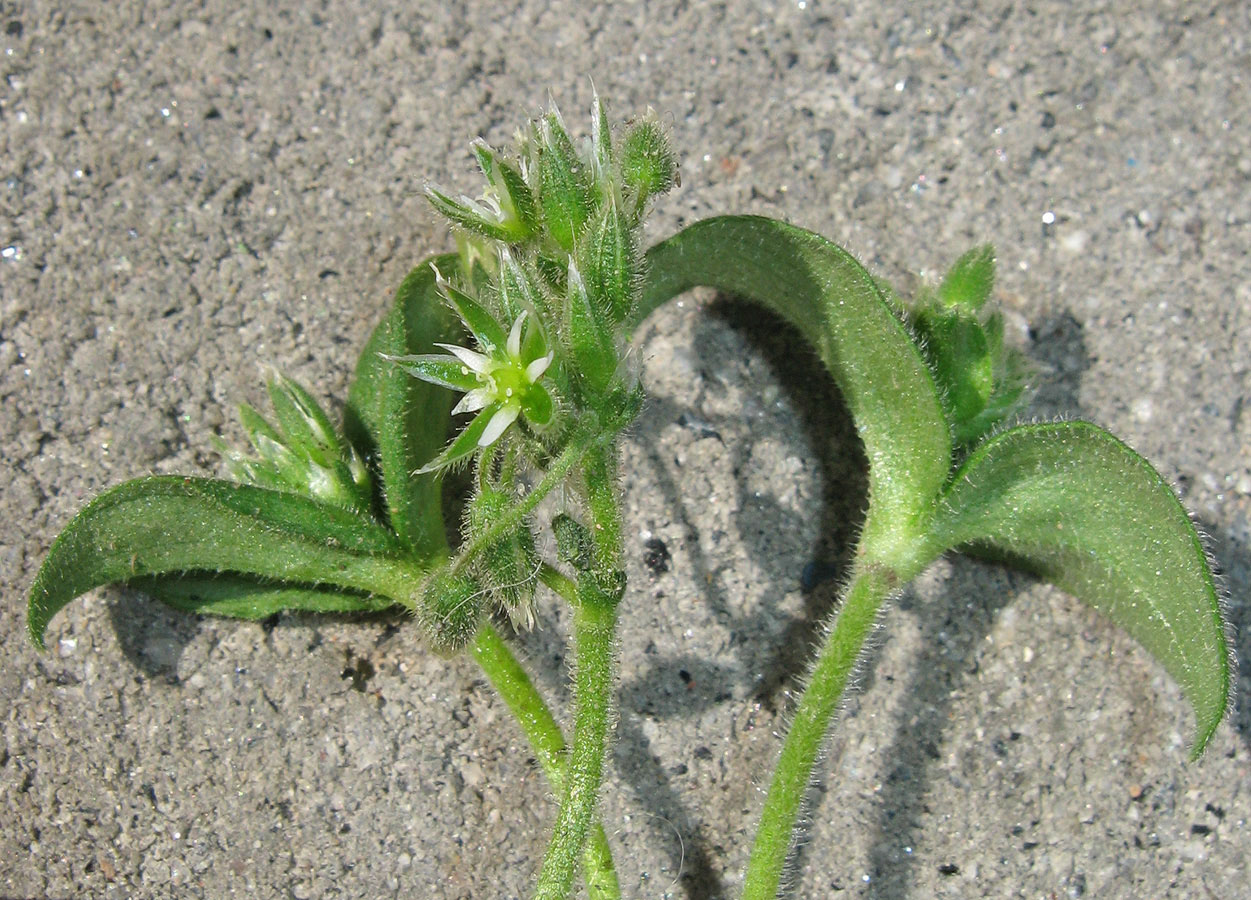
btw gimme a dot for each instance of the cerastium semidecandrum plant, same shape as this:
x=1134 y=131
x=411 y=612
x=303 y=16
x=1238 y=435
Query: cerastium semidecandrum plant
x=529 y=324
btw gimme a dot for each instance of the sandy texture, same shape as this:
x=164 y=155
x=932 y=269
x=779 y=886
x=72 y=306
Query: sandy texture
x=193 y=192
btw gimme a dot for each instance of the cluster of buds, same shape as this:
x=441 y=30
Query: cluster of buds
x=983 y=382
x=301 y=454
x=550 y=273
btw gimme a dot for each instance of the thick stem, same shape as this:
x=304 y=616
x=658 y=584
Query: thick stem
x=548 y=743
x=869 y=587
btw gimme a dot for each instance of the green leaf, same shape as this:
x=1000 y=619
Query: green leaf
x=835 y=304
x=1091 y=516
x=399 y=421
x=154 y=526
x=239 y=597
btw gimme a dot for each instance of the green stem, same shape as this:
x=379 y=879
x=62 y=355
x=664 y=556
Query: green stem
x=552 y=478
x=548 y=743
x=870 y=585
x=559 y=583
x=594 y=630
x=594 y=625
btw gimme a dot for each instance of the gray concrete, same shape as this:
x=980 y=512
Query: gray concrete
x=196 y=192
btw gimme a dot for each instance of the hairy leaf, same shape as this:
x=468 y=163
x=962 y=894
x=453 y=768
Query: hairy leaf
x=400 y=421
x=154 y=526
x=1091 y=516
x=239 y=597
x=836 y=305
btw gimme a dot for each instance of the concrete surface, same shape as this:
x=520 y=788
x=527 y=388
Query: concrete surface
x=193 y=191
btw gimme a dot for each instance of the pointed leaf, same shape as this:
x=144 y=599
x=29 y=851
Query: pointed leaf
x=402 y=422
x=1094 y=518
x=835 y=304
x=154 y=526
x=238 y=597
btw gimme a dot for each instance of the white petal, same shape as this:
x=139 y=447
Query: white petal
x=514 y=336
x=499 y=422
x=472 y=401
x=536 y=369
x=475 y=361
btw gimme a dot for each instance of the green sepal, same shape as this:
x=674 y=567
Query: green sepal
x=464 y=445
x=257 y=427
x=444 y=371
x=602 y=155
x=399 y=422
x=303 y=423
x=564 y=188
x=609 y=262
x=969 y=281
x=509 y=567
x=592 y=344
x=1088 y=514
x=467 y=217
x=489 y=333
x=574 y=544
x=238 y=597
x=959 y=353
x=164 y=524
x=510 y=190
x=537 y=405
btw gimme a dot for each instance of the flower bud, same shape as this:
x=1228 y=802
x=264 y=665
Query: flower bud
x=609 y=261
x=509 y=566
x=564 y=183
x=450 y=610
x=647 y=161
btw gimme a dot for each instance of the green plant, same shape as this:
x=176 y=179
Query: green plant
x=529 y=323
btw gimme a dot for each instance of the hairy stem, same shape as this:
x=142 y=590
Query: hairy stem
x=555 y=475
x=548 y=743
x=869 y=587
x=594 y=630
